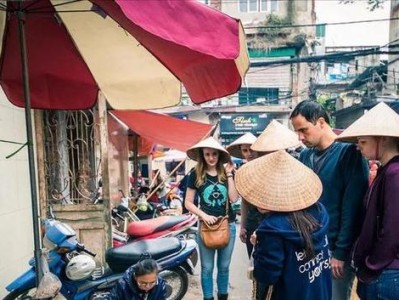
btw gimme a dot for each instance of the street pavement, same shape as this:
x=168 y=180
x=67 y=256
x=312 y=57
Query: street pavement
x=240 y=285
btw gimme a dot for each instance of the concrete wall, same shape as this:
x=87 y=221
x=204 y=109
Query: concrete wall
x=276 y=77
x=15 y=201
x=393 y=68
x=299 y=11
x=232 y=8
x=199 y=116
x=118 y=155
x=303 y=13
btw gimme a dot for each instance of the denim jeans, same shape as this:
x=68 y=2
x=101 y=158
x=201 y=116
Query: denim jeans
x=385 y=287
x=207 y=257
x=342 y=288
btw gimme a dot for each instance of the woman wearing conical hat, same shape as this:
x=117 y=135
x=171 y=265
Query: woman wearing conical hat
x=291 y=256
x=241 y=148
x=215 y=185
x=376 y=252
x=275 y=137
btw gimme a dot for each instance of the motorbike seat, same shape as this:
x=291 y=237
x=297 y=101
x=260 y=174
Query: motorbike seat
x=147 y=227
x=121 y=258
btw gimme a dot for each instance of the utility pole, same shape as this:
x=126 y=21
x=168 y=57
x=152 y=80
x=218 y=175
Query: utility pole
x=295 y=84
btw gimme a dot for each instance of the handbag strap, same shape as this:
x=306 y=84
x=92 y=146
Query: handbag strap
x=227 y=202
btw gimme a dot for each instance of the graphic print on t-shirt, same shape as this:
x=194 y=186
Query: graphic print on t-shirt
x=215 y=195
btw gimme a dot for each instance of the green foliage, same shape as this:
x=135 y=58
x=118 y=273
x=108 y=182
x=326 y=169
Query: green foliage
x=329 y=105
x=372 y=4
x=322 y=100
x=271 y=29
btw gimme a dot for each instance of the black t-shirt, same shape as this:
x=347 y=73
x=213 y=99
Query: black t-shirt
x=183 y=189
x=254 y=217
x=213 y=195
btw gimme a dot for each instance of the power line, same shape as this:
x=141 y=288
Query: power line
x=326 y=57
x=326 y=24
x=332 y=57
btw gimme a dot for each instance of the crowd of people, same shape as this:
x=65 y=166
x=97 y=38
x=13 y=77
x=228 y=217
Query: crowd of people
x=312 y=223
x=147 y=197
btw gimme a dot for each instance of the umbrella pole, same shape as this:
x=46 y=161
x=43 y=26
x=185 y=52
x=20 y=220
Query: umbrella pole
x=31 y=157
x=135 y=161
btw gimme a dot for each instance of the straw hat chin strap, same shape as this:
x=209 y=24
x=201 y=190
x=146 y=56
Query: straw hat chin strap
x=377 y=148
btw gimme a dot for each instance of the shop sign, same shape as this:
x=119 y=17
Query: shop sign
x=232 y=126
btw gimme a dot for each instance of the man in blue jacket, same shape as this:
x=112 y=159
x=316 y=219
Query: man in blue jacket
x=344 y=174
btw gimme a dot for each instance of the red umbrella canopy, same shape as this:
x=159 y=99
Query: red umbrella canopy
x=137 y=52
x=163 y=129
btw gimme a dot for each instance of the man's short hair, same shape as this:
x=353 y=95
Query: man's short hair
x=311 y=111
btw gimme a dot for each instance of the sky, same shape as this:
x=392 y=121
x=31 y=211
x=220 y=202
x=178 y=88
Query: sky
x=363 y=34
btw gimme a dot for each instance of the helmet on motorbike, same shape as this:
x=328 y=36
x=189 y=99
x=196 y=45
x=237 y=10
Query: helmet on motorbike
x=142 y=203
x=48 y=244
x=80 y=267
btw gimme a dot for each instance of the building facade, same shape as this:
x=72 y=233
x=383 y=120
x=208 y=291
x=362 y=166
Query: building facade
x=393 y=63
x=272 y=33
x=15 y=198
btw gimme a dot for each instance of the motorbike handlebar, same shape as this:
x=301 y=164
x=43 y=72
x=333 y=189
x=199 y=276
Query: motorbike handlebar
x=82 y=248
x=115 y=214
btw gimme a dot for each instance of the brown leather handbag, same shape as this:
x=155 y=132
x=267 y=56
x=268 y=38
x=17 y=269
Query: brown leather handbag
x=217 y=235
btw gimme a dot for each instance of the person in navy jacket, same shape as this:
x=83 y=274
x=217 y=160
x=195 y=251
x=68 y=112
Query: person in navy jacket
x=344 y=174
x=376 y=252
x=140 y=282
x=291 y=256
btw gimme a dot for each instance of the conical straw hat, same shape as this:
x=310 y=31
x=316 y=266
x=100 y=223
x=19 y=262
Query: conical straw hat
x=381 y=120
x=210 y=142
x=275 y=137
x=234 y=148
x=278 y=182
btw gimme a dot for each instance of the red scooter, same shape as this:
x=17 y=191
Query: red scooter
x=164 y=226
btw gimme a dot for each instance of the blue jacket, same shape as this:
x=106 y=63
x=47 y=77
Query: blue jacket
x=344 y=174
x=127 y=289
x=279 y=258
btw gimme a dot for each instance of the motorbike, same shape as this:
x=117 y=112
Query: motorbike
x=172 y=254
x=125 y=231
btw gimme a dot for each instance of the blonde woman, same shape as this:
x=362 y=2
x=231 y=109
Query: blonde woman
x=275 y=137
x=214 y=183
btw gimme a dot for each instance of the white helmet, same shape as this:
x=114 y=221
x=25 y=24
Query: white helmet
x=80 y=267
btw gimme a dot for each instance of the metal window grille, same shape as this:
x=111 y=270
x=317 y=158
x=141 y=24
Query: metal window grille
x=72 y=157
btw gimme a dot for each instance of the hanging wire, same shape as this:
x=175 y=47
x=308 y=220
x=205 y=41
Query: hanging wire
x=66 y=3
x=39 y=9
x=326 y=24
x=339 y=56
x=331 y=57
x=62 y=11
x=11 y=142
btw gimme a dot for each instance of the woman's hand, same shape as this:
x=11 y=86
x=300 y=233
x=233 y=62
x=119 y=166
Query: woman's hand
x=209 y=219
x=243 y=234
x=252 y=239
x=337 y=267
x=229 y=167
